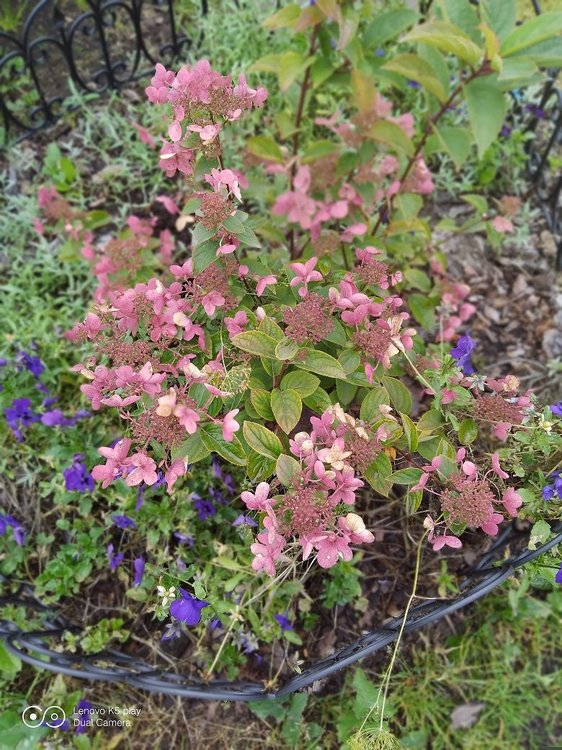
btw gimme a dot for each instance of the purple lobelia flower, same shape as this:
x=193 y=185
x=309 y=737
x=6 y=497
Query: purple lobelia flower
x=229 y=484
x=138 y=565
x=187 y=608
x=461 y=354
x=115 y=560
x=184 y=538
x=217 y=471
x=77 y=478
x=558 y=576
x=124 y=522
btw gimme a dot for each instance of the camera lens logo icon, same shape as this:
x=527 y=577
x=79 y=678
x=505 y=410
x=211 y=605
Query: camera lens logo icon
x=34 y=717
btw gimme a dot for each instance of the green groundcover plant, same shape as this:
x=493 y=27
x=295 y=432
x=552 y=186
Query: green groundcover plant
x=304 y=334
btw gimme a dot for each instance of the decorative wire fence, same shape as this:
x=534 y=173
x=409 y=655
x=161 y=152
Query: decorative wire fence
x=109 y=44
x=43 y=648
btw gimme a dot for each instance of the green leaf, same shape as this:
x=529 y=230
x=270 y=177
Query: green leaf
x=388 y=25
x=439 y=64
x=546 y=54
x=415 y=68
x=10 y=665
x=417 y=279
x=500 y=17
x=287 y=469
x=468 y=431
x=318 y=401
x=517 y=72
x=406 y=476
x=286 y=349
x=192 y=449
x=391 y=135
x=261 y=401
x=400 y=396
x=255 y=342
x=319 y=149
x=320 y=363
x=456 y=142
x=304 y=383
x=410 y=431
x=486 y=109
x=349 y=361
x=540 y=534
x=201 y=234
x=370 y=406
x=462 y=14
x=204 y=254
x=271 y=328
x=431 y=421
x=346 y=392
x=262 y=440
x=259 y=467
x=423 y=310
x=265 y=148
x=288 y=66
x=378 y=473
x=448 y=38
x=287 y=407
x=284 y=18
x=233 y=452
x=532 y=32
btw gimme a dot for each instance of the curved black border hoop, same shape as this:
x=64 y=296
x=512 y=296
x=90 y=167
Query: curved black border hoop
x=30 y=647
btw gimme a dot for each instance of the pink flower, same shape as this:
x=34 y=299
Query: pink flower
x=330 y=547
x=174 y=472
x=304 y=274
x=491 y=524
x=511 y=500
x=226 y=249
x=144 y=471
x=144 y=135
x=501 y=430
x=220 y=178
x=267 y=550
x=502 y=225
x=188 y=418
x=497 y=468
x=353 y=526
x=446 y=540
x=207 y=133
x=258 y=500
x=470 y=469
x=447 y=396
x=230 y=425
x=211 y=301
x=176 y=158
x=236 y=324
x=169 y=204
x=263 y=282
x=346 y=486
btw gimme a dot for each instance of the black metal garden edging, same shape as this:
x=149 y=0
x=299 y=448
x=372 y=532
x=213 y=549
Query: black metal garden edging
x=106 y=46
x=493 y=568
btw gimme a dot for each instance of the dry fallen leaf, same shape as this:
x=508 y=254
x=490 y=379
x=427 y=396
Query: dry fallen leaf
x=466 y=715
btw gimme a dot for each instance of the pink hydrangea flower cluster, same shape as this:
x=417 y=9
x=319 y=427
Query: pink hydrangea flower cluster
x=311 y=508
x=467 y=497
x=199 y=95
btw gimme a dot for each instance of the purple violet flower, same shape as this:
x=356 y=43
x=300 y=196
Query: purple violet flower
x=244 y=520
x=461 y=354
x=31 y=363
x=187 y=608
x=556 y=409
x=558 y=576
x=138 y=565
x=184 y=538
x=284 y=622
x=115 y=560
x=77 y=478
x=20 y=415
x=216 y=466
x=83 y=710
x=8 y=521
x=205 y=508
x=124 y=522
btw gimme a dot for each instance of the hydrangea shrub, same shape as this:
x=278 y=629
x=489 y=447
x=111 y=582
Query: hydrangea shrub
x=294 y=336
